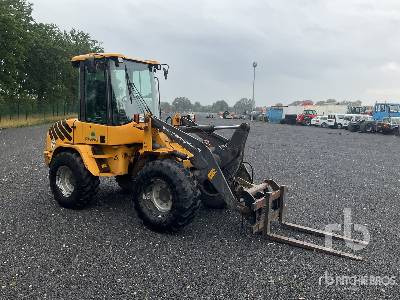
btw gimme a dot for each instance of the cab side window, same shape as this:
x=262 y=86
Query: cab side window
x=96 y=95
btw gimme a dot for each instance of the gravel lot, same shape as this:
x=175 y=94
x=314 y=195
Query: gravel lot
x=104 y=252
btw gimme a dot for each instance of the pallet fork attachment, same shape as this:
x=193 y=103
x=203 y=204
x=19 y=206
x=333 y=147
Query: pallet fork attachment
x=265 y=203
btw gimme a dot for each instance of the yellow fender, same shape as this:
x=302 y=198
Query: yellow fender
x=84 y=151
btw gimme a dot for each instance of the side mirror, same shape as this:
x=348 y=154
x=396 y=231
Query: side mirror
x=165 y=73
x=165 y=70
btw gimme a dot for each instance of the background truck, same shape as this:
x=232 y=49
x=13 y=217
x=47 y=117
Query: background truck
x=359 y=110
x=306 y=116
x=384 y=110
x=381 y=120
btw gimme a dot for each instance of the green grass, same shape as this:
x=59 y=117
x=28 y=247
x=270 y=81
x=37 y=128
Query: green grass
x=31 y=120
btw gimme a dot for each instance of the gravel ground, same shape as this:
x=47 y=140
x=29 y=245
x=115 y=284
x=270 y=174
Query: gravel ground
x=104 y=252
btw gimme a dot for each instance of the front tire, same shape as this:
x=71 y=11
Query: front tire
x=73 y=186
x=165 y=195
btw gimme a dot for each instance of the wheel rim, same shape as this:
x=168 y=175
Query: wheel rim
x=159 y=194
x=65 y=181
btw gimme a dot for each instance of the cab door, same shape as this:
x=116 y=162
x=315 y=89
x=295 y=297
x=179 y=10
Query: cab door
x=95 y=110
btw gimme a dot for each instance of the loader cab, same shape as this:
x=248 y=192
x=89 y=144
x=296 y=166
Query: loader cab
x=115 y=90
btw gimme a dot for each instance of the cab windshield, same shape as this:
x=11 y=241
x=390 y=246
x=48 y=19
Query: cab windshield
x=310 y=112
x=133 y=90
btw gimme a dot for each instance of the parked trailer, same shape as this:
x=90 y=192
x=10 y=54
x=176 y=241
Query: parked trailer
x=274 y=114
x=320 y=109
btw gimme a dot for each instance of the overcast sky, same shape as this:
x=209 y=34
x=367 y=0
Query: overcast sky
x=305 y=49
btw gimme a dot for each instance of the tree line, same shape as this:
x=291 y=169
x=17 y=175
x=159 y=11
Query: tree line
x=183 y=104
x=35 y=68
x=324 y=102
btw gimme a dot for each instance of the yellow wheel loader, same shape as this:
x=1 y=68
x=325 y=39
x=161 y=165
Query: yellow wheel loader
x=169 y=167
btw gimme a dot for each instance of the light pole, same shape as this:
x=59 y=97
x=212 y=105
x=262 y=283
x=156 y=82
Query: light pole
x=254 y=76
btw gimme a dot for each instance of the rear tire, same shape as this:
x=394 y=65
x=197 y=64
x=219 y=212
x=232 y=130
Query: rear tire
x=73 y=186
x=165 y=195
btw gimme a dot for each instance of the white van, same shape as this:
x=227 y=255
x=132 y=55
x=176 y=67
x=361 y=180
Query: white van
x=323 y=121
x=336 y=120
x=315 y=121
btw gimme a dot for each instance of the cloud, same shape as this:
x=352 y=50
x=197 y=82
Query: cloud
x=391 y=67
x=304 y=49
x=384 y=94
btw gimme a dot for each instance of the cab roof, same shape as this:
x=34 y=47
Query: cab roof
x=84 y=57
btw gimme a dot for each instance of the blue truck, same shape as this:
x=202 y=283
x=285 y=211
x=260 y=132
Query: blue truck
x=385 y=119
x=384 y=110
